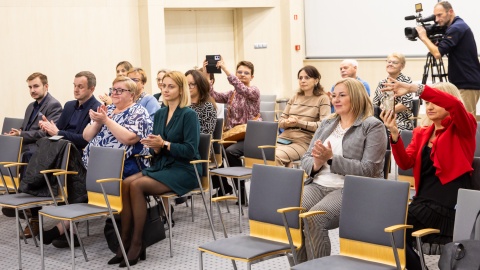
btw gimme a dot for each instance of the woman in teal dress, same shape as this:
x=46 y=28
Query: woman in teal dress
x=173 y=144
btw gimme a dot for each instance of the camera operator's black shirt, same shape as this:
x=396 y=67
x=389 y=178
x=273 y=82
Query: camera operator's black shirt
x=463 y=65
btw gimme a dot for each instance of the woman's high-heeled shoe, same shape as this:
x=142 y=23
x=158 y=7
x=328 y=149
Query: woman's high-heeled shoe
x=115 y=260
x=142 y=256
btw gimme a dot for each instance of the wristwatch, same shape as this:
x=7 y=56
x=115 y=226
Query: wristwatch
x=165 y=144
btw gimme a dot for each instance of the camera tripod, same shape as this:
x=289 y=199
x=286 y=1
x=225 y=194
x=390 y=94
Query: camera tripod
x=435 y=69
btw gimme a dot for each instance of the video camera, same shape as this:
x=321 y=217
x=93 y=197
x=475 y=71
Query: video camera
x=434 y=31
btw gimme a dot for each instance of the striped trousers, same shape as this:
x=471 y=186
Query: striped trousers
x=315 y=198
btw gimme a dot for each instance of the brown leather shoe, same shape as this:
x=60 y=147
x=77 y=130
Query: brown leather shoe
x=35 y=228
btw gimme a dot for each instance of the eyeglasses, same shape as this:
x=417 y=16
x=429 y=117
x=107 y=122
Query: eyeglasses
x=246 y=73
x=302 y=77
x=135 y=79
x=192 y=85
x=390 y=62
x=118 y=91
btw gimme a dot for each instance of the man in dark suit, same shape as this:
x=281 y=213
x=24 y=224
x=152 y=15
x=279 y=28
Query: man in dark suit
x=70 y=125
x=44 y=105
x=75 y=115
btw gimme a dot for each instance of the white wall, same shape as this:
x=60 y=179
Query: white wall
x=62 y=37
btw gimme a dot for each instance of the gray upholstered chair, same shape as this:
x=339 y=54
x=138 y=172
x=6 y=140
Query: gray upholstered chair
x=371 y=231
x=266 y=106
x=268 y=116
x=104 y=188
x=271 y=233
x=10 y=152
x=259 y=147
x=477 y=138
x=203 y=183
x=22 y=201
x=468 y=210
x=268 y=98
x=9 y=123
x=406 y=175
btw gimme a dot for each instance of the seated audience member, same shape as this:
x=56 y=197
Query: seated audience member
x=351 y=141
x=403 y=104
x=44 y=105
x=441 y=154
x=202 y=103
x=148 y=101
x=158 y=96
x=243 y=104
x=348 y=69
x=120 y=125
x=302 y=116
x=173 y=144
x=121 y=69
x=70 y=125
x=75 y=116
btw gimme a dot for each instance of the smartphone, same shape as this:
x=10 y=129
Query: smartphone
x=283 y=141
x=212 y=63
x=388 y=101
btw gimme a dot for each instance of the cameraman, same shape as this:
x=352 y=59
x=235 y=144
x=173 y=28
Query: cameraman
x=459 y=45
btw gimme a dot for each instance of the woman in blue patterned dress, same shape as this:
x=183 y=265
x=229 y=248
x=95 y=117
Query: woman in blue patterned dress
x=120 y=125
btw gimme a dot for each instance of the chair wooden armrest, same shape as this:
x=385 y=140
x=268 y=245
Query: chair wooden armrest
x=216 y=140
x=14 y=164
x=266 y=146
x=394 y=228
x=289 y=209
x=226 y=142
x=5 y=162
x=423 y=232
x=51 y=171
x=64 y=172
x=108 y=180
x=311 y=213
x=199 y=161
x=224 y=198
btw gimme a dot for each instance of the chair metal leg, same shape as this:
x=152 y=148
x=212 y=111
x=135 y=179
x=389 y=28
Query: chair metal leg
x=72 y=245
x=170 y=227
x=310 y=239
x=79 y=241
x=191 y=201
x=21 y=231
x=201 y=260
x=65 y=232
x=420 y=251
x=19 y=228
x=88 y=228
x=223 y=192
x=234 y=264
x=240 y=210
x=30 y=228
x=209 y=216
x=249 y=265
x=40 y=222
x=122 y=248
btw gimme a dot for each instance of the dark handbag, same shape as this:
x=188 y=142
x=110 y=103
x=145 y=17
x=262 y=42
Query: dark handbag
x=463 y=254
x=153 y=230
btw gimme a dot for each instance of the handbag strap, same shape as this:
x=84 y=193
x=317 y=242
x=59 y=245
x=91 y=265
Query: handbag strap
x=458 y=254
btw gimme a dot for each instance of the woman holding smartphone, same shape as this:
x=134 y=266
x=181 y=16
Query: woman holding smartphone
x=403 y=104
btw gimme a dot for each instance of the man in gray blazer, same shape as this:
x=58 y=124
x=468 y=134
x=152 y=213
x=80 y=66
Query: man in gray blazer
x=44 y=105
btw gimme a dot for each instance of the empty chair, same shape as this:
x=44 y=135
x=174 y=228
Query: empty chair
x=271 y=233
x=22 y=201
x=267 y=116
x=268 y=98
x=372 y=232
x=467 y=213
x=9 y=123
x=259 y=147
x=267 y=106
x=103 y=182
x=10 y=151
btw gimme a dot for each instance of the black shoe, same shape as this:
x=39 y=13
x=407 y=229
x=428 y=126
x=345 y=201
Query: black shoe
x=115 y=260
x=142 y=256
x=50 y=235
x=228 y=190
x=61 y=242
